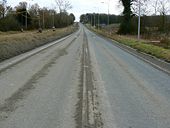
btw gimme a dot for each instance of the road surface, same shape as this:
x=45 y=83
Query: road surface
x=84 y=81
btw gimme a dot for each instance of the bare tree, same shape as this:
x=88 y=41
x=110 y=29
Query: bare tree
x=4 y=9
x=1 y=10
x=144 y=7
x=155 y=4
x=63 y=5
x=164 y=7
x=34 y=9
x=161 y=7
x=22 y=5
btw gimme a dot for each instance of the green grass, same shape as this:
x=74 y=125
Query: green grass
x=141 y=45
x=15 y=43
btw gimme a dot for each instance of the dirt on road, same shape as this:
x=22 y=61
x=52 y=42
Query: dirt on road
x=88 y=114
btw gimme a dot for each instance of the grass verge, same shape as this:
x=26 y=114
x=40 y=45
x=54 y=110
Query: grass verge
x=141 y=46
x=12 y=44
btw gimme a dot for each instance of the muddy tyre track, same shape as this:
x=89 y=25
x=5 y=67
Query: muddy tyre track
x=87 y=112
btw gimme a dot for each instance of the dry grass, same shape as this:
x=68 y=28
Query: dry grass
x=15 y=43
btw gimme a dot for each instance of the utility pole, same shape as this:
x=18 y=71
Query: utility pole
x=39 y=22
x=108 y=13
x=26 y=19
x=53 y=19
x=91 y=20
x=26 y=16
x=98 y=20
x=94 y=20
x=43 y=20
x=139 y=19
x=108 y=18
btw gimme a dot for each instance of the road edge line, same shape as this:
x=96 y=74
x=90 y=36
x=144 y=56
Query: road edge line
x=142 y=58
x=130 y=49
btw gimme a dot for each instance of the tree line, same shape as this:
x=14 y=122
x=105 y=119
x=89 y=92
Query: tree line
x=96 y=18
x=34 y=17
x=159 y=19
x=154 y=16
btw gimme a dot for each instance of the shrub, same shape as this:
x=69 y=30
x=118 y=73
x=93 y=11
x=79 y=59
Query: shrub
x=9 y=23
x=165 y=42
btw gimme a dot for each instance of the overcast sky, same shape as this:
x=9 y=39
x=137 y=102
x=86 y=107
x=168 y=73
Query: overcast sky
x=79 y=6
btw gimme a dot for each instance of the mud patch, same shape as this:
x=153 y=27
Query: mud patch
x=79 y=105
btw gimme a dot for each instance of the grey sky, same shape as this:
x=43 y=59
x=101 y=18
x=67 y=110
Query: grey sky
x=79 y=6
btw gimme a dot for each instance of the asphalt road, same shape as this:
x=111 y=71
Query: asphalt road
x=84 y=81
